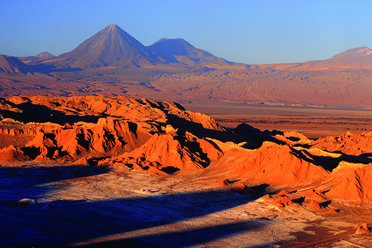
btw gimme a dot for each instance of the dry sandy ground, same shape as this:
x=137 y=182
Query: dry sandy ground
x=312 y=122
x=80 y=206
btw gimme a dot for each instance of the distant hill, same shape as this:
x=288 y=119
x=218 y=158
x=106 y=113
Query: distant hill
x=353 y=59
x=45 y=55
x=355 y=55
x=180 y=51
x=12 y=65
x=34 y=60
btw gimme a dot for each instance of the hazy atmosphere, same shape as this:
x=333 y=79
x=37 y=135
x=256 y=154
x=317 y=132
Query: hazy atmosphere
x=253 y=32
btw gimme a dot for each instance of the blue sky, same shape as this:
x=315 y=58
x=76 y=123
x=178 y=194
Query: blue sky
x=253 y=32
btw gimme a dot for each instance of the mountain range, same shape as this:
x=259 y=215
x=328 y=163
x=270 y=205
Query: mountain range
x=112 y=62
x=113 y=47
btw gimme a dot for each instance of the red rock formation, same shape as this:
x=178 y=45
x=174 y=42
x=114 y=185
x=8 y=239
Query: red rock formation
x=351 y=182
x=140 y=111
x=283 y=201
x=108 y=137
x=172 y=152
x=12 y=154
x=142 y=134
x=283 y=192
x=273 y=164
x=314 y=195
x=363 y=229
x=349 y=143
x=314 y=205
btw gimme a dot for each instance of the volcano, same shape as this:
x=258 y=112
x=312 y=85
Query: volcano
x=180 y=51
x=111 y=46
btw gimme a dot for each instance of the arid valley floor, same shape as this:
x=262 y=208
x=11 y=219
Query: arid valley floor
x=312 y=122
x=123 y=172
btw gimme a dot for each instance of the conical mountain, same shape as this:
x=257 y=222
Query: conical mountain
x=180 y=51
x=111 y=46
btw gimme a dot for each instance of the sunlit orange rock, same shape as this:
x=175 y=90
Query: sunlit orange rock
x=273 y=164
x=283 y=201
x=314 y=195
x=314 y=205
x=107 y=137
x=348 y=143
x=363 y=229
x=12 y=154
x=351 y=182
x=283 y=192
x=173 y=151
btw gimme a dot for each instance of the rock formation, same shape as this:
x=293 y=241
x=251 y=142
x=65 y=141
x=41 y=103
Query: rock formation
x=164 y=138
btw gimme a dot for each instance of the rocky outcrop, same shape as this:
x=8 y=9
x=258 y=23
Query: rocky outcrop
x=12 y=154
x=351 y=182
x=164 y=138
x=272 y=164
x=348 y=143
x=106 y=138
x=171 y=152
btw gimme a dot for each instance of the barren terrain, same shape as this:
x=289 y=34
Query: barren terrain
x=117 y=171
x=312 y=122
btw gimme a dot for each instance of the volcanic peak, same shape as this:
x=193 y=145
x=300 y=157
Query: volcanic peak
x=111 y=46
x=180 y=51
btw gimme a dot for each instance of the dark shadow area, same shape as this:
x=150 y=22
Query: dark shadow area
x=327 y=163
x=186 y=238
x=293 y=138
x=255 y=137
x=299 y=200
x=325 y=204
x=39 y=113
x=22 y=182
x=65 y=222
x=260 y=188
x=242 y=133
x=31 y=152
x=307 y=146
x=330 y=163
x=367 y=155
x=197 y=128
x=170 y=169
x=362 y=159
x=48 y=68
